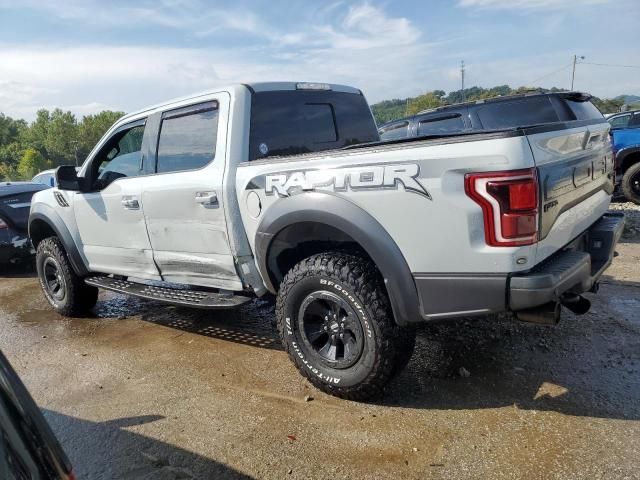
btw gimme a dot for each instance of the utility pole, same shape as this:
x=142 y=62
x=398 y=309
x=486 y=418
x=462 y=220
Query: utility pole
x=573 y=73
x=462 y=79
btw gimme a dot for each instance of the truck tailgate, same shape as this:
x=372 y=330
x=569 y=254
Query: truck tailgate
x=575 y=171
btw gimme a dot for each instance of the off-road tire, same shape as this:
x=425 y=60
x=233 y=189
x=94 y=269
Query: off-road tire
x=358 y=283
x=76 y=298
x=627 y=186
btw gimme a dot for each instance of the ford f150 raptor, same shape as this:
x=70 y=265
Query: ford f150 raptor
x=285 y=188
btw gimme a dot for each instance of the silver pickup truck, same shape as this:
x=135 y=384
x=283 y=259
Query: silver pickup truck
x=285 y=189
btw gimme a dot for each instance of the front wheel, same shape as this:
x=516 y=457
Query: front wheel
x=66 y=292
x=631 y=183
x=336 y=324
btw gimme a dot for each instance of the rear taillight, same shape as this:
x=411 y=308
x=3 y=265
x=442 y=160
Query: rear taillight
x=3 y=224
x=509 y=202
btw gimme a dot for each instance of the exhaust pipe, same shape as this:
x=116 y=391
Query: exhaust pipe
x=576 y=303
x=547 y=314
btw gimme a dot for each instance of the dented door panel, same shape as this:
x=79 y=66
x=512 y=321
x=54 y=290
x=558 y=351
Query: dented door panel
x=185 y=218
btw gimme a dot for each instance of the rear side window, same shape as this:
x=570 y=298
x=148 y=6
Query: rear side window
x=301 y=121
x=635 y=121
x=395 y=131
x=441 y=125
x=187 y=138
x=521 y=112
x=583 y=110
x=620 y=122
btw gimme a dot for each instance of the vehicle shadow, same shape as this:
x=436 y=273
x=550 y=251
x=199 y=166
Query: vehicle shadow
x=585 y=366
x=250 y=325
x=110 y=449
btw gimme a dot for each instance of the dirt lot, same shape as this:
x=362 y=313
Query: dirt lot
x=143 y=390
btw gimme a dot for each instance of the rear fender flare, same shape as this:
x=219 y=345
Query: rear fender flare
x=342 y=214
x=622 y=154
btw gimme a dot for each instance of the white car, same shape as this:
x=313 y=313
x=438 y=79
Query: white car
x=46 y=177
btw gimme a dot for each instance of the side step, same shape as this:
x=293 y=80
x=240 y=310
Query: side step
x=175 y=296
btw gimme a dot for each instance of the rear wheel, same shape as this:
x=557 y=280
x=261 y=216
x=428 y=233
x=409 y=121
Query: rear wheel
x=66 y=292
x=631 y=183
x=335 y=322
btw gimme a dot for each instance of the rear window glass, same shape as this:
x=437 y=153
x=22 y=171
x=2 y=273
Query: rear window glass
x=584 y=110
x=301 y=121
x=441 y=126
x=521 y=112
x=394 y=131
x=188 y=139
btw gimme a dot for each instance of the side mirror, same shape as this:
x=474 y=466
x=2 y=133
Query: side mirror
x=67 y=178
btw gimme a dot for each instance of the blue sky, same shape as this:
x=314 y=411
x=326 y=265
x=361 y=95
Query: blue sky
x=91 y=55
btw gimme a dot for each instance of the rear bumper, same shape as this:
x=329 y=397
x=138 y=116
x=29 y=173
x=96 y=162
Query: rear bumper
x=573 y=270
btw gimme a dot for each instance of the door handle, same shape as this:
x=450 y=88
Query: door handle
x=130 y=203
x=207 y=199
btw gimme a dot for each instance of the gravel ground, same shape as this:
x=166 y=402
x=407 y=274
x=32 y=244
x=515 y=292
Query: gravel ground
x=632 y=220
x=146 y=391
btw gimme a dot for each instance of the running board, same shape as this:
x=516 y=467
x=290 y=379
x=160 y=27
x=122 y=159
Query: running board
x=175 y=296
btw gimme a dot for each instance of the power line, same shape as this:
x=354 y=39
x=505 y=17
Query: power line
x=608 y=65
x=549 y=74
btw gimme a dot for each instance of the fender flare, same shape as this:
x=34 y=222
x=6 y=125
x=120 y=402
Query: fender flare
x=49 y=216
x=623 y=153
x=337 y=212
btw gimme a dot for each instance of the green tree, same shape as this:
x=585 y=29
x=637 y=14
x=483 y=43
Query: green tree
x=92 y=128
x=36 y=135
x=424 y=102
x=61 y=139
x=10 y=154
x=31 y=163
x=608 y=105
x=8 y=172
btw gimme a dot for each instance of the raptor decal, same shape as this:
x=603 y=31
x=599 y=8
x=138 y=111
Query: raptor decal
x=367 y=177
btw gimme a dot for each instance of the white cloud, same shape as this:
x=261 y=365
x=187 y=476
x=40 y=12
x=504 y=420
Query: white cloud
x=359 y=45
x=528 y=5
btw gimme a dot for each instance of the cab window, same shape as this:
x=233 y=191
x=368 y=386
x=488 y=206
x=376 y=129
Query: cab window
x=395 y=131
x=120 y=157
x=188 y=138
x=441 y=125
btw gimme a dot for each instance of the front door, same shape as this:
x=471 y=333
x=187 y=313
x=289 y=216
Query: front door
x=183 y=202
x=110 y=217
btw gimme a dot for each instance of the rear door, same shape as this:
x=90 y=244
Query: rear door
x=183 y=201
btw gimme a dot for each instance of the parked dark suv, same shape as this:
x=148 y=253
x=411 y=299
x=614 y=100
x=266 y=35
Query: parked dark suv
x=522 y=110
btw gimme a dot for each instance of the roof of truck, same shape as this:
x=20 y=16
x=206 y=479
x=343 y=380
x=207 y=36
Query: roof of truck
x=253 y=87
